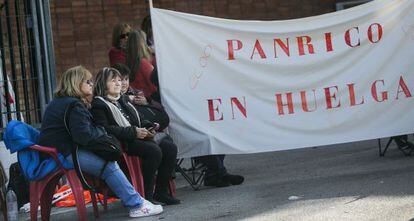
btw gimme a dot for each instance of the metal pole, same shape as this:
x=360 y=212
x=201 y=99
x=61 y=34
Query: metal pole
x=45 y=48
x=30 y=42
x=3 y=66
x=22 y=63
x=50 y=48
x=38 y=59
x=13 y=66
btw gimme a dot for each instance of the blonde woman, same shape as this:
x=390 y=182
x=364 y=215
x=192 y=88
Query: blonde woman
x=76 y=85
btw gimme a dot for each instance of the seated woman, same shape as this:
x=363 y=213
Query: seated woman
x=121 y=119
x=76 y=86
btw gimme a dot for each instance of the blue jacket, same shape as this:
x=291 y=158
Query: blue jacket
x=82 y=128
x=17 y=138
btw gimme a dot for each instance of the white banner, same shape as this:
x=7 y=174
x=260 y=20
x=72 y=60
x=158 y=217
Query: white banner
x=253 y=86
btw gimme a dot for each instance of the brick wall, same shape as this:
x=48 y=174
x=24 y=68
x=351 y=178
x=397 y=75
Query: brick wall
x=82 y=28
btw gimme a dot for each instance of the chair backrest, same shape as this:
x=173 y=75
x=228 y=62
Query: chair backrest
x=19 y=135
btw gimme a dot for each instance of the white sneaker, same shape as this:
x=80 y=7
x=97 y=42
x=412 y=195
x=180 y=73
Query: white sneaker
x=147 y=209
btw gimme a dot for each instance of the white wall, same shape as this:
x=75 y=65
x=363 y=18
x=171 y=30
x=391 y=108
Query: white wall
x=6 y=158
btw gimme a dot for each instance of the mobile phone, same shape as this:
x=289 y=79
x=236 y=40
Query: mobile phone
x=155 y=126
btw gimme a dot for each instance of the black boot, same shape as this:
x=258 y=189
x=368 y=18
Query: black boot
x=166 y=199
x=233 y=179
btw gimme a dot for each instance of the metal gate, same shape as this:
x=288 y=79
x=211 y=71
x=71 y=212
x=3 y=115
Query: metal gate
x=27 y=65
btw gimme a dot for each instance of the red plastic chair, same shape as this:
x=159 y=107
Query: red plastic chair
x=134 y=168
x=41 y=191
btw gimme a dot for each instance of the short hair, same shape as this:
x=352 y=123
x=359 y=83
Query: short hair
x=101 y=78
x=117 y=31
x=71 y=82
x=122 y=68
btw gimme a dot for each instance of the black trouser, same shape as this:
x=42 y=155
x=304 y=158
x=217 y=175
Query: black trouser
x=214 y=164
x=155 y=157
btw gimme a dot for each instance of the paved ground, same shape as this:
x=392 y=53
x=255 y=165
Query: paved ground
x=340 y=182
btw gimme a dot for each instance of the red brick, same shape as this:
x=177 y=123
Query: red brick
x=82 y=28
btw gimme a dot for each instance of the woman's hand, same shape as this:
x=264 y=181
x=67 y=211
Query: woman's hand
x=151 y=133
x=141 y=132
x=140 y=100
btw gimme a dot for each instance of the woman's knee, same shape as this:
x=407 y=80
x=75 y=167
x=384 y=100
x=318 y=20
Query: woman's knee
x=110 y=168
x=169 y=149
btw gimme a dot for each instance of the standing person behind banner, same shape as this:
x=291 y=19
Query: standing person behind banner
x=117 y=52
x=138 y=60
x=76 y=86
x=120 y=118
x=147 y=28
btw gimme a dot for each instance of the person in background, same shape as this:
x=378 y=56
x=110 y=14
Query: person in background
x=120 y=34
x=76 y=85
x=120 y=118
x=147 y=28
x=138 y=60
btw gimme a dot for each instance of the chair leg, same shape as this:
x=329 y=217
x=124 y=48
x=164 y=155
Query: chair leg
x=105 y=200
x=46 y=199
x=77 y=191
x=131 y=171
x=172 y=188
x=140 y=179
x=95 y=204
x=34 y=200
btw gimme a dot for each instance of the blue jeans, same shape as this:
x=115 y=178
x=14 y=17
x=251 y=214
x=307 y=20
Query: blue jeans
x=113 y=176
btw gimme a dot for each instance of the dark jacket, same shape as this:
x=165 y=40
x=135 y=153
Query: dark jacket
x=54 y=134
x=103 y=116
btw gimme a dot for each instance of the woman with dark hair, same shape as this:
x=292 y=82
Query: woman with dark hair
x=75 y=86
x=119 y=38
x=121 y=119
x=138 y=60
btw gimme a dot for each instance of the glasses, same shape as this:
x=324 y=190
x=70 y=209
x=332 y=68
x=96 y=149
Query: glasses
x=90 y=82
x=122 y=36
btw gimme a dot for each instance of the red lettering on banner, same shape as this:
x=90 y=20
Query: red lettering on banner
x=301 y=45
x=305 y=102
x=404 y=88
x=329 y=97
x=328 y=41
x=231 y=49
x=241 y=108
x=289 y=103
x=352 y=38
x=259 y=49
x=374 y=92
x=285 y=47
x=348 y=37
x=212 y=110
x=352 y=98
x=379 y=33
